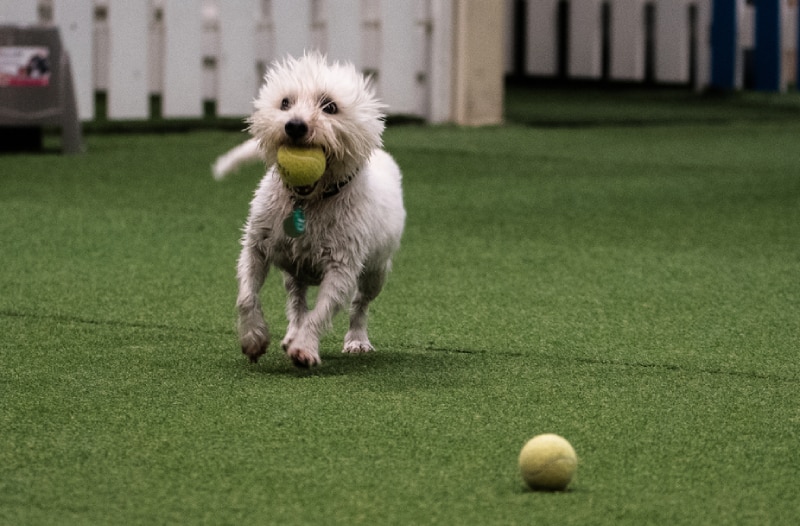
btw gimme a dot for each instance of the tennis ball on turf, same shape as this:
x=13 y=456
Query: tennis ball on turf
x=548 y=462
x=300 y=166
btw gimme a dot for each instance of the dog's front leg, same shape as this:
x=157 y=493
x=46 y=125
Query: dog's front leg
x=296 y=308
x=336 y=289
x=251 y=272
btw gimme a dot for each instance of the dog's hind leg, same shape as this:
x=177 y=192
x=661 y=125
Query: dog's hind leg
x=370 y=284
x=251 y=272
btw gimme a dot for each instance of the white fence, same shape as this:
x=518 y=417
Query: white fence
x=662 y=41
x=619 y=35
x=191 y=51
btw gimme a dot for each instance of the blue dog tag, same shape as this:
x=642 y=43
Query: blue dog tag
x=295 y=224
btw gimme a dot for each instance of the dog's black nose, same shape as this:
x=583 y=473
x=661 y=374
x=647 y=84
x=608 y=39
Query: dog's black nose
x=296 y=129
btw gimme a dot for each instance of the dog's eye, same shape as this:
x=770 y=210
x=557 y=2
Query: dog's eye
x=329 y=107
x=286 y=104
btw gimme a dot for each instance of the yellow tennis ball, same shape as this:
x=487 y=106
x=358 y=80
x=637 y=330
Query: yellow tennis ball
x=548 y=462
x=300 y=166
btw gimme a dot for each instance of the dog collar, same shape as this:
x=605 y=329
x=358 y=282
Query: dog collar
x=337 y=187
x=332 y=190
x=295 y=224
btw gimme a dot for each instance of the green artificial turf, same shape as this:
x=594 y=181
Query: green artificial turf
x=619 y=268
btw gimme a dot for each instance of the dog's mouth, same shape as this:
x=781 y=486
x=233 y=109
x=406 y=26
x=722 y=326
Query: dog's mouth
x=304 y=191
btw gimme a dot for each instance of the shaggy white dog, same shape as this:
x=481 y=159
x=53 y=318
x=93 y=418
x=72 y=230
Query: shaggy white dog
x=354 y=214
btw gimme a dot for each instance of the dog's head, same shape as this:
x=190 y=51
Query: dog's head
x=309 y=102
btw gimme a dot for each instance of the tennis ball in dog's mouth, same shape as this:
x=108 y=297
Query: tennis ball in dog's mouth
x=548 y=462
x=300 y=166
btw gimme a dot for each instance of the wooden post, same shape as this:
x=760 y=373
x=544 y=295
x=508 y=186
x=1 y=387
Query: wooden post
x=478 y=62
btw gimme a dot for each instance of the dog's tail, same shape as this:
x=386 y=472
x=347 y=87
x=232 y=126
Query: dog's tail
x=232 y=160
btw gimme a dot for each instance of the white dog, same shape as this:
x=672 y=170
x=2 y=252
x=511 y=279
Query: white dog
x=354 y=214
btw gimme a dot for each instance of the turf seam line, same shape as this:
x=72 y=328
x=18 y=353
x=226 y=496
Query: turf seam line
x=697 y=370
x=593 y=361
x=7 y=313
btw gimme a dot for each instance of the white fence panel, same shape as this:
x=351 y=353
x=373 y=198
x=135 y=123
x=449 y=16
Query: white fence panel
x=291 y=24
x=422 y=70
x=127 y=59
x=183 y=66
x=585 y=44
x=237 y=57
x=17 y=12
x=319 y=26
x=627 y=40
x=344 y=31
x=401 y=55
x=541 y=37
x=371 y=42
x=581 y=28
x=672 y=41
x=155 y=50
x=76 y=23
x=702 y=39
x=441 y=61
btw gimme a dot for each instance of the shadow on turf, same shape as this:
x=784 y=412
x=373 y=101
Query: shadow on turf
x=425 y=364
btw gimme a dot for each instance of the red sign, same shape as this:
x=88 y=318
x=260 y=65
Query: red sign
x=24 y=66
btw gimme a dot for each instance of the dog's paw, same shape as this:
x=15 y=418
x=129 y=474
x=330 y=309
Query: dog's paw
x=357 y=346
x=254 y=350
x=286 y=343
x=254 y=344
x=302 y=358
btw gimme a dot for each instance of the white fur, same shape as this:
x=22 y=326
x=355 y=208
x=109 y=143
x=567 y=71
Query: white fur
x=350 y=237
x=231 y=161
